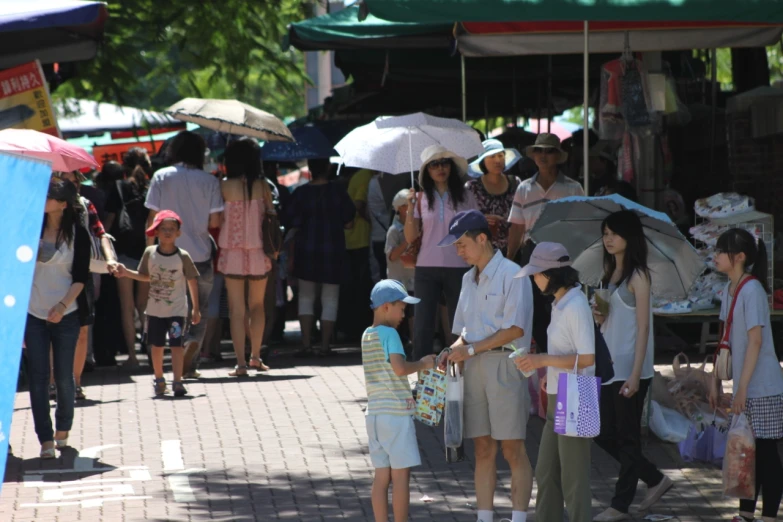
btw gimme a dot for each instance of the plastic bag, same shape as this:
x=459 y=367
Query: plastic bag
x=739 y=462
x=454 y=406
x=668 y=425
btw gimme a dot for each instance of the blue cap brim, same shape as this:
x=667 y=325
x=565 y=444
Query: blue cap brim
x=448 y=240
x=411 y=300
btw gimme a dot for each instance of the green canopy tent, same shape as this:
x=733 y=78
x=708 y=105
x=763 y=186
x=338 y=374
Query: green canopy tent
x=584 y=11
x=343 y=30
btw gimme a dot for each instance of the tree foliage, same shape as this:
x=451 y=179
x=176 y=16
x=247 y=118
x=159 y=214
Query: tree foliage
x=156 y=52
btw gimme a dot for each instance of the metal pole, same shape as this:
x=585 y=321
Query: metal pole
x=586 y=120
x=514 y=95
x=464 y=90
x=714 y=105
x=549 y=95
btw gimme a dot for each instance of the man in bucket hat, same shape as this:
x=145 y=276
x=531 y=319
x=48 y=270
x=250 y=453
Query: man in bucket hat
x=493 y=317
x=548 y=184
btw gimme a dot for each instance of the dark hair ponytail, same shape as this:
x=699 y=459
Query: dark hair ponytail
x=738 y=241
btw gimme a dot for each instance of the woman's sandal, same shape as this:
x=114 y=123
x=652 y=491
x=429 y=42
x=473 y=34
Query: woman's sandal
x=160 y=387
x=48 y=454
x=80 y=396
x=239 y=371
x=259 y=364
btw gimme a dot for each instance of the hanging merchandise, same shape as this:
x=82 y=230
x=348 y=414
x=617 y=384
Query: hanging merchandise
x=625 y=100
x=723 y=204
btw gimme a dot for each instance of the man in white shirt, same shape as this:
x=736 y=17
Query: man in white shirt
x=548 y=184
x=494 y=315
x=195 y=196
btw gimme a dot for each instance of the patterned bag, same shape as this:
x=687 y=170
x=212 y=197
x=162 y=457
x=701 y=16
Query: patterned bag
x=430 y=397
x=578 y=413
x=411 y=253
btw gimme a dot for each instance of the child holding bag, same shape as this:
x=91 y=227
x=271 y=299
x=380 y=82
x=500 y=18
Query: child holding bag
x=756 y=372
x=563 y=468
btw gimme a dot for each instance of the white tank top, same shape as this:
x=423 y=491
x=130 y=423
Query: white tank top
x=620 y=331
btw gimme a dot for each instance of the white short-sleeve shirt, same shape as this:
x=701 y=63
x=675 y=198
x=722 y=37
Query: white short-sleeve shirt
x=496 y=302
x=530 y=198
x=571 y=331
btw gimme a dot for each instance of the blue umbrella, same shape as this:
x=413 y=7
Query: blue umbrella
x=575 y=222
x=310 y=144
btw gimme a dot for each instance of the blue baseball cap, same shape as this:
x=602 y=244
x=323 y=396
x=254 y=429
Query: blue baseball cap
x=464 y=221
x=390 y=291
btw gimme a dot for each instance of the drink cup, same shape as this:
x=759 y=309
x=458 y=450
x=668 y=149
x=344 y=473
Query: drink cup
x=518 y=353
x=602 y=296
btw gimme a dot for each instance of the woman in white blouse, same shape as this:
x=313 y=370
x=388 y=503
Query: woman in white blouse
x=563 y=467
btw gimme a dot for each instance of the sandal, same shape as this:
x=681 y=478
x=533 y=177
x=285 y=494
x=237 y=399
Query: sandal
x=160 y=387
x=80 y=396
x=259 y=366
x=179 y=389
x=239 y=371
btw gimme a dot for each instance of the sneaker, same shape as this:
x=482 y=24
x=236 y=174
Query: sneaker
x=611 y=515
x=193 y=374
x=655 y=493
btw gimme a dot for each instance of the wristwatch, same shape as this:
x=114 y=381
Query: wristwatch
x=471 y=350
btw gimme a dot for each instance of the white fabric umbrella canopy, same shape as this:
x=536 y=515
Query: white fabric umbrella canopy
x=231 y=117
x=575 y=222
x=393 y=144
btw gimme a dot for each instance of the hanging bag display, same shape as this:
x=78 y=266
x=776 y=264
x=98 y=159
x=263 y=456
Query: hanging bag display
x=411 y=253
x=723 y=365
x=578 y=412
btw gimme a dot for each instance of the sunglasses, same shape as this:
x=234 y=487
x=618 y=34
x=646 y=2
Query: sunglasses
x=439 y=163
x=545 y=150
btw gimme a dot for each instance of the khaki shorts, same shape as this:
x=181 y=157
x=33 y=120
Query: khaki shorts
x=497 y=402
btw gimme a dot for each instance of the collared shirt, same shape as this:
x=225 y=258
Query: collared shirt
x=570 y=332
x=496 y=302
x=193 y=195
x=435 y=226
x=531 y=197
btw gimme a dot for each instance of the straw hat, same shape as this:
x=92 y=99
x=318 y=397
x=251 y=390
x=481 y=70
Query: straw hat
x=436 y=152
x=547 y=141
x=492 y=147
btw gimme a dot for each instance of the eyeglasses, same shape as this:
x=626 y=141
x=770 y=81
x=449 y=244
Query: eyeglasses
x=439 y=163
x=545 y=150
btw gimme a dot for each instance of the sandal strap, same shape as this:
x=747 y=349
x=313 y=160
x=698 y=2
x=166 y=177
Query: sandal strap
x=245 y=367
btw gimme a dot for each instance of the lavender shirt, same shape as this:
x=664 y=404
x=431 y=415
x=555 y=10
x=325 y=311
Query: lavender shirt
x=435 y=226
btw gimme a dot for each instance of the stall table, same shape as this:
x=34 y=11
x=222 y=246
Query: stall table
x=706 y=318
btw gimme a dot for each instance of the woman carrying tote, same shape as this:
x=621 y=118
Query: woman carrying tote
x=61 y=271
x=439 y=270
x=493 y=190
x=627 y=330
x=563 y=467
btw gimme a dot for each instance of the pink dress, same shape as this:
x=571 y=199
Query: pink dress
x=240 y=241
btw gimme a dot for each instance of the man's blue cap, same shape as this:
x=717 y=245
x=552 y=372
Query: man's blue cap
x=390 y=291
x=464 y=221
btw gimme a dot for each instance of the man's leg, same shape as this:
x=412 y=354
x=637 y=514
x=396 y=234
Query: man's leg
x=521 y=473
x=485 y=476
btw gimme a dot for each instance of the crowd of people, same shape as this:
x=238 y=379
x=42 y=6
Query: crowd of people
x=457 y=280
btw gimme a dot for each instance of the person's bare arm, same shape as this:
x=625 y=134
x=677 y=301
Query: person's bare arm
x=123 y=271
x=215 y=219
x=640 y=286
x=196 y=312
x=401 y=367
x=459 y=350
x=397 y=251
x=515 y=234
x=109 y=221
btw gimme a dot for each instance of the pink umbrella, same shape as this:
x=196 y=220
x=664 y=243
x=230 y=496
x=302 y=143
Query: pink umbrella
x=63 y=156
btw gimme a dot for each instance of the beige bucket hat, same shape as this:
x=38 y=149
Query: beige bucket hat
x=547 y=141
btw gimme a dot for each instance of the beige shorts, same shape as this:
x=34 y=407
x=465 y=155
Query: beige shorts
x=497 y=402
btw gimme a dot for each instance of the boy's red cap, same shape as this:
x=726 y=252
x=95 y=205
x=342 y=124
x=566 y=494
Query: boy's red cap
x=160 y=217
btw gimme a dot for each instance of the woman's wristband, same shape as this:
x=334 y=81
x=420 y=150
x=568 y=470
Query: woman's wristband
x=65 y=306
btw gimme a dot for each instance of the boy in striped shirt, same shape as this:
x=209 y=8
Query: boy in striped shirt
x=390 y=405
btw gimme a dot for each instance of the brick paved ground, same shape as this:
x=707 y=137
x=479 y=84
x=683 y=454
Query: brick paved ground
x=287 y=445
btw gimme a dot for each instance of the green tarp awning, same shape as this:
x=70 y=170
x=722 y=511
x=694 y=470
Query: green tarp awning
x=440 y=11
x=343 y=30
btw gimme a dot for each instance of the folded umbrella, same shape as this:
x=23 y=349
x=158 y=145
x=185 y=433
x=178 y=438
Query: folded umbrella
x=575 y=222
x=63 y=156
x=393 y=144
x=231 y=117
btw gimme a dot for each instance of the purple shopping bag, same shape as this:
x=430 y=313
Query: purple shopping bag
x=577 y=412
x=707 y=445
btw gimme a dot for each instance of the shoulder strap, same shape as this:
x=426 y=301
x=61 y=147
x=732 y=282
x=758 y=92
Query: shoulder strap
x=119 y=191
x=730 y=318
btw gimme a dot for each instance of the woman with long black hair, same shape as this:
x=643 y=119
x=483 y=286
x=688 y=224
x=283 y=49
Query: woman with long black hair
x=439 y=270
x=61 y=271
x=627 y=330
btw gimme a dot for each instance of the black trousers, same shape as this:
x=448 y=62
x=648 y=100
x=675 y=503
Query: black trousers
x=542 y=304
x=769 y=478
x=354 y=313
x=379 y=251
x=621 y=437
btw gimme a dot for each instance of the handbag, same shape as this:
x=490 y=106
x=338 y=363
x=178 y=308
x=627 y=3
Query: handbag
x=430 y=397
x=723 y=364
x=604 y=367
x=411 y=253
x=271 y=232
x=578 y=412
x=124 y=224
